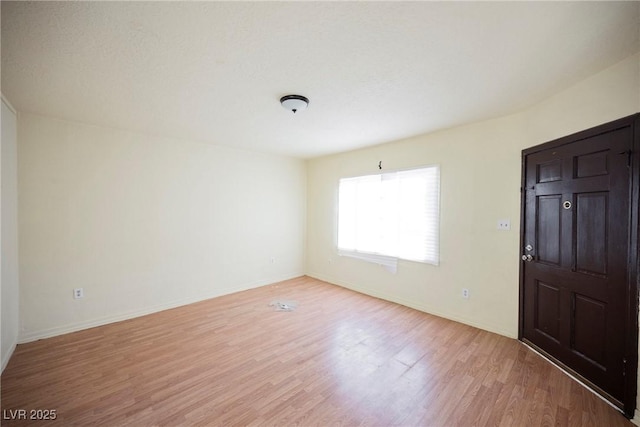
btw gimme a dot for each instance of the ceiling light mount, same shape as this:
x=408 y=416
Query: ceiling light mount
x=294 y=102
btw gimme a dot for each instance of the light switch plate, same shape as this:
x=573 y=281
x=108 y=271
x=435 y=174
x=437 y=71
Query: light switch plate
x=504 y=224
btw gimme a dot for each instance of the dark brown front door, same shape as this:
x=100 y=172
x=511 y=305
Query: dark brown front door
x=578 y=296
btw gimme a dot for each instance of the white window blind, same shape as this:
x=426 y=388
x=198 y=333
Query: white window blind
x=390 y=216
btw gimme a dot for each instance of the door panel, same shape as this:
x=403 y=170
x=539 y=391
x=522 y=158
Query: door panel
x=576 y=290
x=591 y=241
x=548 y=310
x=548 y=228
x=549 y=171
x=588 y=332
x=592 y=164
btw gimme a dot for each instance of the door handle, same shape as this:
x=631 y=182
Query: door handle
x=527 y=258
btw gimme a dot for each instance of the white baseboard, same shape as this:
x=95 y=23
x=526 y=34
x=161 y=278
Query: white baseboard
x=636 y=418
x=6 y=356
x=92 y=323
x=412 y=304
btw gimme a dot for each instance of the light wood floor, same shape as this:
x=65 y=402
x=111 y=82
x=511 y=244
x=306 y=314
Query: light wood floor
x=341 y=358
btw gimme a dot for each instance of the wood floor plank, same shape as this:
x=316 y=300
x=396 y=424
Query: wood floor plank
x=340 y=358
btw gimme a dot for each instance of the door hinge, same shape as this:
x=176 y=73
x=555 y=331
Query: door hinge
x=624 y=366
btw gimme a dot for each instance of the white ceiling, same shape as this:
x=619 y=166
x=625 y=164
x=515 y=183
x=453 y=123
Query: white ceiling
x=373 y=71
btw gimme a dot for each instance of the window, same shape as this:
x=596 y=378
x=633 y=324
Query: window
x=390 y=216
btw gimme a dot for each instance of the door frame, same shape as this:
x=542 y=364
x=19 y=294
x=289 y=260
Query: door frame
x=633 y=279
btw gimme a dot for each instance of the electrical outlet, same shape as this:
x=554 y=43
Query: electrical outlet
x=78 y=293
x=465 y=293
x=504 y=224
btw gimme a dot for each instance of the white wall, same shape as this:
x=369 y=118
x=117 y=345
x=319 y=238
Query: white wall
x=480 y=183
x=9 y=234
x=473 y=253
x=609 y=95
x=144 y=223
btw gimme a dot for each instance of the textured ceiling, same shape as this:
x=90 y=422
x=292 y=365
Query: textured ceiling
x=373 y=71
